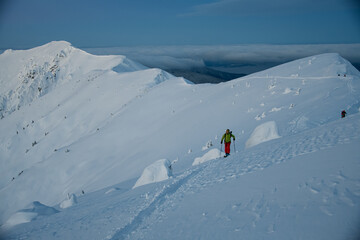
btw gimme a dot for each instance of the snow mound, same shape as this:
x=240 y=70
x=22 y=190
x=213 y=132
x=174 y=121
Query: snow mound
x=263 y=133
x=156 y=172
x=27 y=215
x=70 y=201
x=19 y=218
x=210 y=155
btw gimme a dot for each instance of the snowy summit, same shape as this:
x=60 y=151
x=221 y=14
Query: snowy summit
x=101 y=147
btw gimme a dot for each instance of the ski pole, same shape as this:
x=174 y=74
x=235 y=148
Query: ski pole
x=234 y=147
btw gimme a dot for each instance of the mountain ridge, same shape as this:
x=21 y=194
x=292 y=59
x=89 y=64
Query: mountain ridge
x=29 y=74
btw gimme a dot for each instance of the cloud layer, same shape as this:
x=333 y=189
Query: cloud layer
x=246 y=57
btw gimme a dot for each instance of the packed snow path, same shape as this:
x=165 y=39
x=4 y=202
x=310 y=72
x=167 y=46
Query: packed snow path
x=161 y=197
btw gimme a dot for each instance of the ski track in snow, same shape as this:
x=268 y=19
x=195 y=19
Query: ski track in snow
x=247 y=162
x=309 y=143
x=159 y=199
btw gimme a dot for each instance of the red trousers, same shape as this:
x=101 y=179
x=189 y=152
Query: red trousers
x=227 y=147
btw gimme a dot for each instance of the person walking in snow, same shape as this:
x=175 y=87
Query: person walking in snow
x=343 y=114
x=227 y=137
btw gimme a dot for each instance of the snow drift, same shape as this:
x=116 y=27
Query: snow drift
x=263 y=133
x=34 y=210
x=210 y=155
x=156 y=172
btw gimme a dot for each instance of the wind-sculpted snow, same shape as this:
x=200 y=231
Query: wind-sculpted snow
x=262 y=133
x=156 y=172
x=32 y=211
x=99 y=127
x=210 y=155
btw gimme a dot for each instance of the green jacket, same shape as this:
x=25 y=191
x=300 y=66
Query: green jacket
x=227 y=137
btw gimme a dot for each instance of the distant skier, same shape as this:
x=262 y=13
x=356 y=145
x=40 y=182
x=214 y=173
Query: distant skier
x=343 y=113
x=227 y=137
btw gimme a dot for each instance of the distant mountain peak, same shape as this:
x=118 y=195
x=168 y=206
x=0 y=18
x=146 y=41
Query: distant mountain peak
x=26 y=75
x=323 y=65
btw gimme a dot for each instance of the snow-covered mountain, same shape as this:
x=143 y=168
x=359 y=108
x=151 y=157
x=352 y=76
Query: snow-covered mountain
x=79 y=128
x=28 y=75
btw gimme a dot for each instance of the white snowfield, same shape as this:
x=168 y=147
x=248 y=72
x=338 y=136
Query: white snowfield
x=84 y=126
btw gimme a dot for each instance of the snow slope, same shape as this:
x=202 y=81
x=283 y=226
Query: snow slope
x=305 y=186
x=100 y=125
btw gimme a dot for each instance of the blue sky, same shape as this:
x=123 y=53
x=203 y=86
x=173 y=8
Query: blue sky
x=109 y=23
